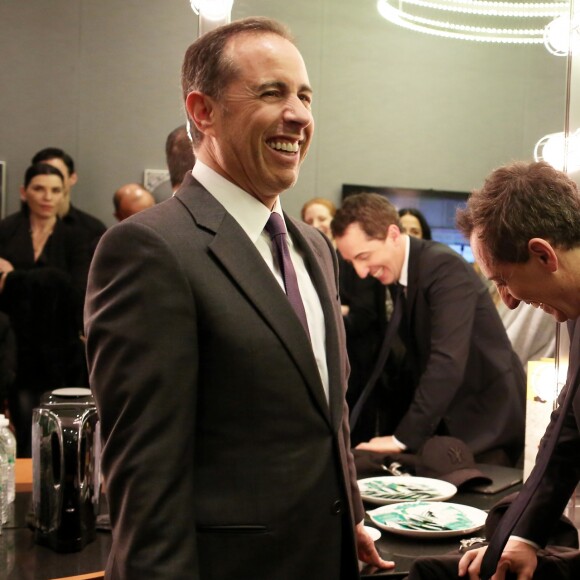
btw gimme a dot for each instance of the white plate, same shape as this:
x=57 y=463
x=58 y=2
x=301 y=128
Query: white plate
x=454 y=519
x=395 y=489
x=72 y=392
x=373 y=533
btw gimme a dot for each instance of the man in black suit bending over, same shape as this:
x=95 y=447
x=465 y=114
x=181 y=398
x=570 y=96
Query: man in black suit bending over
x=221 y=395
x=459 y=361
x=524 y=228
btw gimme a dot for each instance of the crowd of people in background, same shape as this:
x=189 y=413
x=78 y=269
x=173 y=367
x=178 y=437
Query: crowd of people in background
x=45 y=252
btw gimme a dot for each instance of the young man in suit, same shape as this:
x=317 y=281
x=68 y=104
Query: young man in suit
x=226 y=443
x=459 y=361
x=524 y=229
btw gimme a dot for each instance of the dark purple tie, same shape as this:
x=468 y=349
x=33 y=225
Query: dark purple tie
x=277 y=231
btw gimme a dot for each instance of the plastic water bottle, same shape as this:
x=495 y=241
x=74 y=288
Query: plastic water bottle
x=9 y=441
x=3 y=484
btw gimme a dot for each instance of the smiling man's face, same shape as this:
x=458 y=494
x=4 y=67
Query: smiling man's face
x=381 y=259
x=531 y=282
x=263 y=125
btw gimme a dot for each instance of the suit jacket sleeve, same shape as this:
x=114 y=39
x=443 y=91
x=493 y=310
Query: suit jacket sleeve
x=447 y=289
x=563 y=471
x=141 y=418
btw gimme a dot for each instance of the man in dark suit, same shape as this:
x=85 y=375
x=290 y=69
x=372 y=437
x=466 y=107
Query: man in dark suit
x=459 y=361
x=179 y=156
x=226 y=444
x=524 y=228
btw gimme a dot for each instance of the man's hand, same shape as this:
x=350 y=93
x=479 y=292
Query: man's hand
x=383 y=445
x=367 y=551
x=517 y=557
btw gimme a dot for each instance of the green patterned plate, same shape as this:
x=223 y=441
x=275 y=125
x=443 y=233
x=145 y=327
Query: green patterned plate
x=428 y=519
x=395 y=489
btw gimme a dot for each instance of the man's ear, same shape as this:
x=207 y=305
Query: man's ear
x=543 y=251
x=73 y=177
x=200 y=109
x=394 y=232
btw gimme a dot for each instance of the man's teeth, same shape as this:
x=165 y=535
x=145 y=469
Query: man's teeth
x=284 y=146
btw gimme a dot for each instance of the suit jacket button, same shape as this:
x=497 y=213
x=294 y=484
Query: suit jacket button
x=337 y=507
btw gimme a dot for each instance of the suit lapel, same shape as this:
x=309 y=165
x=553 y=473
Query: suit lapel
x=413 y=275
x=323 y=283
x=239 y=257
x=574 y=363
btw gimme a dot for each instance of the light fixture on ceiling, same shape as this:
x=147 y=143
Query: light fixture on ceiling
x=212 y=13
x=478 y=20
x=562 y=36
x=560 y=152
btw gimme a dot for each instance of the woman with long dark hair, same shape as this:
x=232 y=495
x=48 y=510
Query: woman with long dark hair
x=44 y=266
x=414 y=223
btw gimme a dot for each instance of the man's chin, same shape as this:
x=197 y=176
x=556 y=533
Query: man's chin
x=557 y=314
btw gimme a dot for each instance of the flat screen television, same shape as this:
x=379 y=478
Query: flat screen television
x=437 y=206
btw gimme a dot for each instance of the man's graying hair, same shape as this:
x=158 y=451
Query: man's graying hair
x=205 y=67
x=519 y=202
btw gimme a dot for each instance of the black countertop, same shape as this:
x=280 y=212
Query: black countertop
x=404 y=550
x=22 y=559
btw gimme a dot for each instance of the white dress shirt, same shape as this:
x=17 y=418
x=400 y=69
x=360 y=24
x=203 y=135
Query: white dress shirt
x=252 y=216
x=403 y=281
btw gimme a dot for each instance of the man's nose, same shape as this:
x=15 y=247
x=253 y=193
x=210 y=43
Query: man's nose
x=508 y=299
x=297 y=112
x=362 y=271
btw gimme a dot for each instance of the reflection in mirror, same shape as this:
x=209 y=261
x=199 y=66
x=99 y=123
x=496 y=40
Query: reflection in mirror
x=392 y=107
x=396 y=108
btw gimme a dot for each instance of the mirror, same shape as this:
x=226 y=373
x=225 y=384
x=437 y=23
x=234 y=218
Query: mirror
x=392 y=107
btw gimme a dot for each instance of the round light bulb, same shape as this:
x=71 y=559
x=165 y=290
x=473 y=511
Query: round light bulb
x=212 y=9
x=557 y=36
x=552 y=149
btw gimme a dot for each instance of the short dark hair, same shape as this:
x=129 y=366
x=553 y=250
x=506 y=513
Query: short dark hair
x=41 y=169
x=373 y=212
x=425 y=227
x=521 y=201
x=179 y=154
x=205 y=67
x=55 y=153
